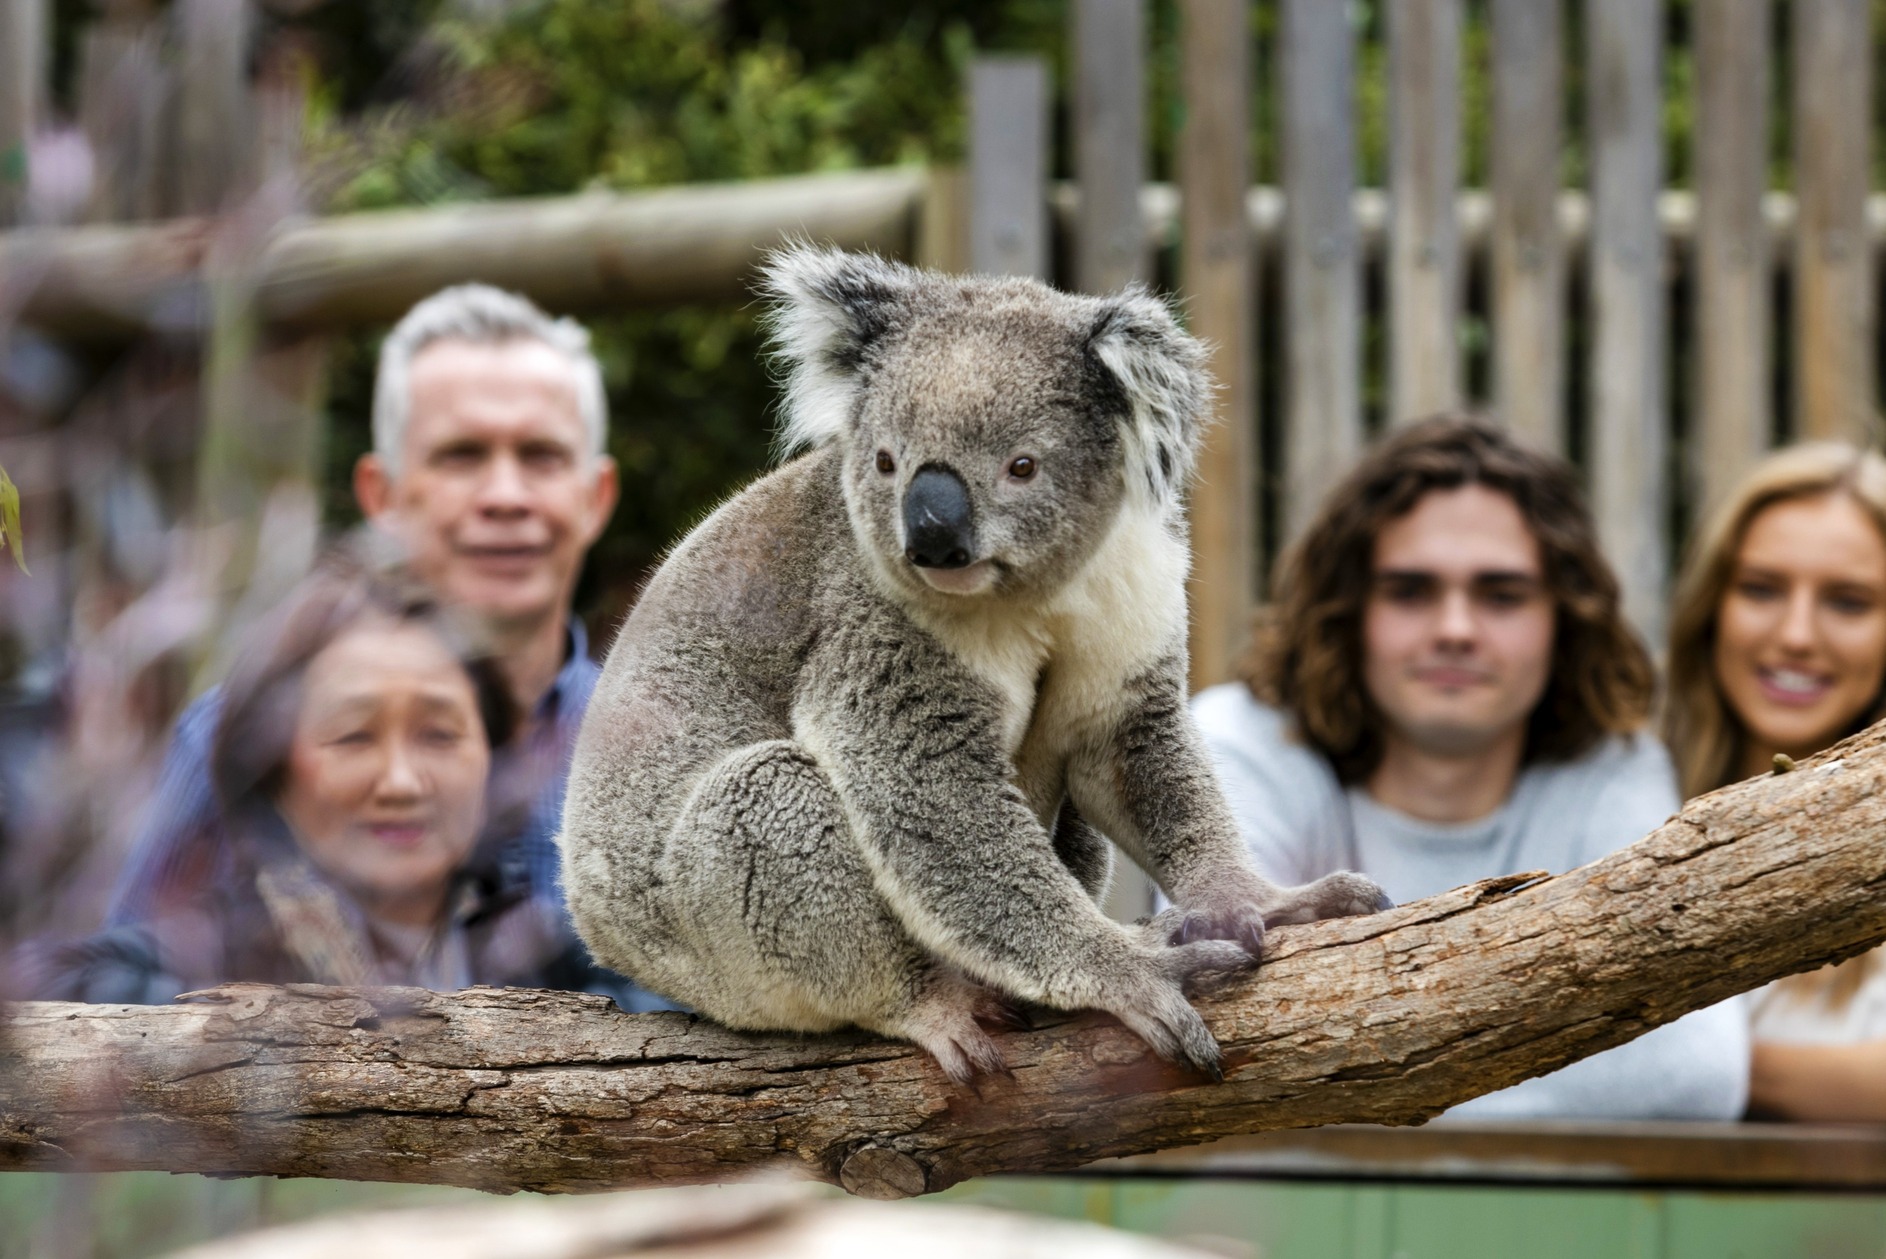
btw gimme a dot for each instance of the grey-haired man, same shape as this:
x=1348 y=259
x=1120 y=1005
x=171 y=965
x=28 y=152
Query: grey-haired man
x=489 y=467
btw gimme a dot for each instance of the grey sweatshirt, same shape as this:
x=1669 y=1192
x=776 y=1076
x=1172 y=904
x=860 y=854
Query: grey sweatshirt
x=1300 y=824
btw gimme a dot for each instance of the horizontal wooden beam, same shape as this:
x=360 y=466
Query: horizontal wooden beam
x=687 y=244
x=597 y=251
x=1264 y=210
x=1385 y=1019
x=1643 y=1154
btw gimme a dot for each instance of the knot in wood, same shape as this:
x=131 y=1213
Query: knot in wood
x=876 y=1171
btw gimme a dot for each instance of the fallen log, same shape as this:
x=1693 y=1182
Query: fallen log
x=1387 y=1019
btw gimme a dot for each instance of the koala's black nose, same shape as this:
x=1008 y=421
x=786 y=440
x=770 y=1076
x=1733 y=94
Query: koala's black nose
x=939 y=529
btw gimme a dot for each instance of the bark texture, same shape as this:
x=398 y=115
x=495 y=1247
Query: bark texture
x=1387 y=1019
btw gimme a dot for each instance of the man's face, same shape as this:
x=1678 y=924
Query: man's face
x=497 y=496
x=1458 y=627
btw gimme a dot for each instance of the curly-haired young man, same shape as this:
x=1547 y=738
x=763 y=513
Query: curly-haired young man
x=1444 y=689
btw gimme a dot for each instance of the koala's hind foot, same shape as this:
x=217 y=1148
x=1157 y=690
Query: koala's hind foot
x=943 y=1021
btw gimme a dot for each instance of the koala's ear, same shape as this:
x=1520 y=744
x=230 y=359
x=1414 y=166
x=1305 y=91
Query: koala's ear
x=1161 y=370
x=828 y=309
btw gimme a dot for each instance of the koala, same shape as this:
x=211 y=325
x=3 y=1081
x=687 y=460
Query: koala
x=857 y=754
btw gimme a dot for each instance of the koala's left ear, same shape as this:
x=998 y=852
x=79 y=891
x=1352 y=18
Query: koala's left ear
x=1161 y=369
x=829 y=308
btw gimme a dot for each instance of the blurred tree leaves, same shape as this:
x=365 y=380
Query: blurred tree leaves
x=572 y=94
x=10 y=520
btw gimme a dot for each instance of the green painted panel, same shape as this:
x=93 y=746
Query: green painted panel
x=1756 y=1226
x=121 y=1216
x=284 y=1201
x=1497 y=1223
x=1090 y=1200
x=140 y=1214
x=1276 y=1221
x=131 y=1215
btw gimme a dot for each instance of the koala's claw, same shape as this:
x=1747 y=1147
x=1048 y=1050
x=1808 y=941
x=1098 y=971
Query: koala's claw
x=1175 y=927
x=1156 y=1009
x=962 y=1052
x=1176 y=1033
x=1244 y=928
x=943 y=1022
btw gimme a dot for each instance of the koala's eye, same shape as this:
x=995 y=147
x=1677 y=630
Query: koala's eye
x=1021 y=468
x=886 y=464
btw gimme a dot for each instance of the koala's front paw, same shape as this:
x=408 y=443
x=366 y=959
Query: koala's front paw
x=1153 y=1002
x=1344 y=894
x=1240 y=923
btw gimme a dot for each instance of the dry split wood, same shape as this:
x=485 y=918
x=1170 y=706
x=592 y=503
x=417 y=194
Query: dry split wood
x=1387 y=1019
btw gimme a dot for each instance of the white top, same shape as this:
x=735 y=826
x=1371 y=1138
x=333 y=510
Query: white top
x=1301 y=824
x=1785 y=1014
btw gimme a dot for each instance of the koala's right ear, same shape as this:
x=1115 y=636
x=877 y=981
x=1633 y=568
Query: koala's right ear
x=829 y=308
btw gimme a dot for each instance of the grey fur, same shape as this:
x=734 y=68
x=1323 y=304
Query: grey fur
x=813 y=791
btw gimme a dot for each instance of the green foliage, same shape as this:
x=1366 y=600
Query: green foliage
x=10 y=520
x=623 y=94
x=635 y=93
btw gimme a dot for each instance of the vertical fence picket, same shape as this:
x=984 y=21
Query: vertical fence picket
x=1008 y=166
x=1833 y=281
x=1731 y=427
x=215 y=111
x=25 y=33
x=1322 y=282
x=1424 y=235
x=1528 y=252
x=1628 y=434
x=1109 y=142
x=1216 y=274
x=123 y=94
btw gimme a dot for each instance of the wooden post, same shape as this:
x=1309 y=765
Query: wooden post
x=940 y=238
x=258 y=465
x=1322 y=283
x=1528 y=254
x=1109 y=142
x=1732 y=421
x=1424 y=237
x=215 y=119
x=1008 y=166
x=24 y=33
x=1628 y=438
x=1833 y=276
x=1216 y=274
x=123 y=93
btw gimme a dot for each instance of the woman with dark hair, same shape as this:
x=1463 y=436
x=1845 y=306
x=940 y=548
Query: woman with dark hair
x=351 y=757
x=1444 y=689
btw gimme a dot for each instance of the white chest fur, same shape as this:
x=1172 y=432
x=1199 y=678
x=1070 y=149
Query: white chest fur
x=1062 y=666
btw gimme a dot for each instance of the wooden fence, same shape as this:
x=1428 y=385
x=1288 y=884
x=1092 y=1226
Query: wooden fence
x=1633 y=325
x=1572 y=288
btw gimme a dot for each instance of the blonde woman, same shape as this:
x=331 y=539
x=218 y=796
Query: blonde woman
x=1778 y=645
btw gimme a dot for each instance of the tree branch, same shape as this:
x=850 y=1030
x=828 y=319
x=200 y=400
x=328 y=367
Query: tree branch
x=1387 y=1019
